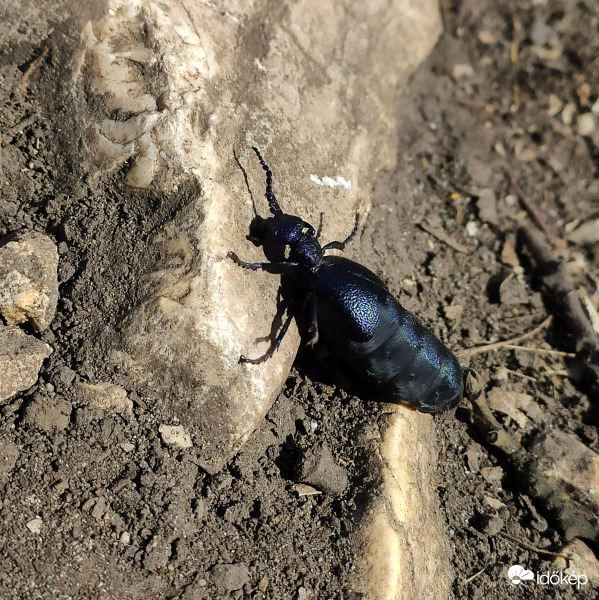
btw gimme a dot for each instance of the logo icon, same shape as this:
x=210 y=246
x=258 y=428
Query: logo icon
x=518 y=574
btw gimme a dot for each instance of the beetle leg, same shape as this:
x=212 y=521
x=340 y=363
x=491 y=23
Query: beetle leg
x=313 y=328
x=273 y=347
x=341 y=245
x=279 y=267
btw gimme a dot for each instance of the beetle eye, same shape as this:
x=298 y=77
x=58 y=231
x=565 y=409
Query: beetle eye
x=310 y=230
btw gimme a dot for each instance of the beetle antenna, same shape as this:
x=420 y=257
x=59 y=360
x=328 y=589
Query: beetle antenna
x=270 y=195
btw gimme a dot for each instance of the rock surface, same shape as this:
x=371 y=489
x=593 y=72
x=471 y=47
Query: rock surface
x=28 y=279
x=312 y=85
x=581 y=561
x=21 y=357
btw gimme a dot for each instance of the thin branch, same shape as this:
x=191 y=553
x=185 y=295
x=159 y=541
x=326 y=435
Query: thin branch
x=33 y=66
x=530 y=547
x=443 y=237
x=498 y=345
x=472 y=577
x=533 y=212
x=540 y=350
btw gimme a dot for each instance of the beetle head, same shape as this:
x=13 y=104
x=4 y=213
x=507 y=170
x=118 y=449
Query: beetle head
x=282 y=229
x=286 y=237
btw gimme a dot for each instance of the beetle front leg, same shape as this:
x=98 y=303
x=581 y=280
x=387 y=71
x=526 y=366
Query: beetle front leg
x=245 y=265
x=275 y=268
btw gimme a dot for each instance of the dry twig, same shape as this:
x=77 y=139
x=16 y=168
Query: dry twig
x=33 y=66
x=533 y=212
x=443 y=237
x=506 y=343
x=530 y=547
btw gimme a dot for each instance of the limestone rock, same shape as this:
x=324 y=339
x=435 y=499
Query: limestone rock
x=28 y=279
x=21 y=358
x=402 y=529
x=581 y=561
x=314 y=87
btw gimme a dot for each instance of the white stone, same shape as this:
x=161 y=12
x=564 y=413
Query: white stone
x=586 y=124
x=35 y=525
x=175 y=435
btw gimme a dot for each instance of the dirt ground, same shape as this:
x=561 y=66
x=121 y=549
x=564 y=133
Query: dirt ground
x=124 y=516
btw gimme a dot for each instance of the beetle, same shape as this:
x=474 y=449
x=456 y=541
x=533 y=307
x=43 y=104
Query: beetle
x=347 y=317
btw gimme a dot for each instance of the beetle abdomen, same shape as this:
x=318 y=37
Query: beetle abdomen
x=378 y=345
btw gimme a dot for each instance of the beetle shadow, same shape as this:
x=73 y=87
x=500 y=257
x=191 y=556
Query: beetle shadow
x=277 y=321
x=326 y=370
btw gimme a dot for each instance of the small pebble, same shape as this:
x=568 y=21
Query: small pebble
x=586 y=124
x=494 y=503
x=175 y=435
x=492 y=474
x=317 y=467
x=462 y=70
x=99 y=508
x=263 y=584
x=472 y=458
x=125 y=538
x=35 y=525
x=303 y=489
x=472 y=229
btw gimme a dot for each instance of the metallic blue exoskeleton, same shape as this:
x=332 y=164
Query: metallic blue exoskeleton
x=348 y=318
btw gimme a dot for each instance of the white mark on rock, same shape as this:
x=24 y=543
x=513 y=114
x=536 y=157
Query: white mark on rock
x=331 y=182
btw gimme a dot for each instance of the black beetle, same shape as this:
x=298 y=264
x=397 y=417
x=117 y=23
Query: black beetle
x=346 y=315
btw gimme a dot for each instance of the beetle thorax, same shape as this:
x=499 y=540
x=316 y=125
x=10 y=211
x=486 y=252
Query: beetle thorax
x=306 y=251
